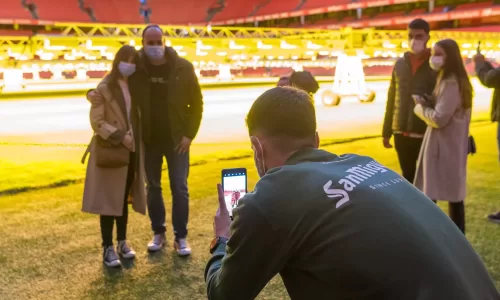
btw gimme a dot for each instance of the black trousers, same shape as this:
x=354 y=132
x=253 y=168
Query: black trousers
x=408 y=149
x=457 y=214
x=107 y=222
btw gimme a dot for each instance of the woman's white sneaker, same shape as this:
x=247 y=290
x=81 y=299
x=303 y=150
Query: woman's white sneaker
x=109 y=257
x=124 y=250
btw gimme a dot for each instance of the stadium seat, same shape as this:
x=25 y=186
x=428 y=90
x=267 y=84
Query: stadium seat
x=473 y=5
x=179 y=12
x=116 y=11
x=237 y=9
x=65 y=11
x=311 y=4
x=278 y=6
x=12 y=9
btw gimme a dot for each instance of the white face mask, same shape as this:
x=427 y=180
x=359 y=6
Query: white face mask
x=155 y=52
x=260 y=165
x=417 y=46
x=126 y=69
x=436 y=62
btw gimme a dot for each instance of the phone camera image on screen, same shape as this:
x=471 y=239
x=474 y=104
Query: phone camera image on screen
x=235 y=187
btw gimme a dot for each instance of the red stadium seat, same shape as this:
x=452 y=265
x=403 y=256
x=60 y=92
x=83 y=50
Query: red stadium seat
x=474 y=5
x=12 y=9
x=64 y=11
x=311 y=4
x=237 y=9
x=278 y=6
x=116 y=11
x=179 y=12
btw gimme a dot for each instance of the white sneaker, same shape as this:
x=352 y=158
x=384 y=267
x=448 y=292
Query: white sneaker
x=124 y=250
x=157 y=242
x=182 y=247
x=109 y=257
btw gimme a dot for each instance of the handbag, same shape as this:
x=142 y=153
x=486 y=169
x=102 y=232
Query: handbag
x=472 y=145
x=108 y=155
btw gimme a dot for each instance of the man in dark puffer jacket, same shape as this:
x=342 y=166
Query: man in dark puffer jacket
x=412 y=75
x=490 y=78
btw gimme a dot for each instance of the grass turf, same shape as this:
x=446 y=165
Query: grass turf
x=50 y=250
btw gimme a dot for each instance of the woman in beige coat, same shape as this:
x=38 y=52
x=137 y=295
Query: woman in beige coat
x=442 y=165
x=115 y=171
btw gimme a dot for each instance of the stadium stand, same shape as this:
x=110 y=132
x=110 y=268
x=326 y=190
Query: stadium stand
x=13 y=9
x=279 y=6
x=179 y=12
x=115 y=11
x=64 y=11
x=236 y=9
x=312 y=4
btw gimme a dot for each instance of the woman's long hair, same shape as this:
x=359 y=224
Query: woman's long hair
x=454 y=66
x=124 y=54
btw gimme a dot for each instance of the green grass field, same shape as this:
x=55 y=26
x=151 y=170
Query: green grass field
x=50 y=250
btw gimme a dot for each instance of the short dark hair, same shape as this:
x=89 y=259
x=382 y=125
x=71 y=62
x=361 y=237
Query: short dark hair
x=150 y=26
x=283 y=113
x=420 y=24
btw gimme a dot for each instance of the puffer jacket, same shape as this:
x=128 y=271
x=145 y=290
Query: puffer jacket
x=399 y=116
x=490 y=77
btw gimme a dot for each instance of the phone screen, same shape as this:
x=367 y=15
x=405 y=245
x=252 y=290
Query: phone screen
x=234 y=184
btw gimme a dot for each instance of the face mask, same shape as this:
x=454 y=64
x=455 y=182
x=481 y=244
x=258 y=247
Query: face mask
x=436 y=62
x=417 y=46
x=126 y=69
x=260 y=165
x=155 y=52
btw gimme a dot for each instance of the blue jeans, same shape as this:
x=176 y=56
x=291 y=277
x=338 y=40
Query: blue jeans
x=178 y=171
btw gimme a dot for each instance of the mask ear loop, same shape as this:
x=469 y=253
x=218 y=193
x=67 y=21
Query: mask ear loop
x=262 y=151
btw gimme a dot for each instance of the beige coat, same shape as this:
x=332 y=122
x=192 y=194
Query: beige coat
x=104 y=191
x=442 y=164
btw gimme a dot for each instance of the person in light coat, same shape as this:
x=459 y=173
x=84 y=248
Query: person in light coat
x=442 y=165
x=109 y=189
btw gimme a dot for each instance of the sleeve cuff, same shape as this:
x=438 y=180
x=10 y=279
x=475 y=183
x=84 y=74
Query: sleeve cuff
x=215 y=261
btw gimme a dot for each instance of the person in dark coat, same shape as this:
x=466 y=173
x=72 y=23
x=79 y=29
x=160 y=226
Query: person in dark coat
x=490 y=78
x=412 y=75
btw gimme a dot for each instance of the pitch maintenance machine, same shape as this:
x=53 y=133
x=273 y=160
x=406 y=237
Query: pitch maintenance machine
x=349 y=81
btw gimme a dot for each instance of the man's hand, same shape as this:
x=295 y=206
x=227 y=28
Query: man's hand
x=478 y=58
x=222 y=221
x=184 y=145
x=418 y=99
x=128 y=142
x=387 y=143
x=95 y=97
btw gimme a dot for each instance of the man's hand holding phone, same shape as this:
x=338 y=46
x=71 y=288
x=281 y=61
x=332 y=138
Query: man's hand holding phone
x=222 y=221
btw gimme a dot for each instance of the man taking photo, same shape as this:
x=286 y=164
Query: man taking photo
x=167 y=92
x=490 y=78
x=412 y=75
x=333 y=227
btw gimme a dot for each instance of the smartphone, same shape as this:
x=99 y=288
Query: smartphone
x=478 y=47
x=234 y=184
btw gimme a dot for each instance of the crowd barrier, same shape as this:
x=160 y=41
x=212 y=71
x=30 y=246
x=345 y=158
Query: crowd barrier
x=75 y=87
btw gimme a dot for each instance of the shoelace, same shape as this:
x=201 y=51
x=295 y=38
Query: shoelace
x=182 y=244
x=124 y=247
x=111 y=254
x=157 y=240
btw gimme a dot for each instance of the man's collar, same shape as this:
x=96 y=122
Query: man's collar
x=306 y=154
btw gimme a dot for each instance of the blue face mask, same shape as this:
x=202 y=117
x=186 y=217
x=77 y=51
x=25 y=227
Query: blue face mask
x=155 y=52
x=126 y=69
